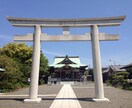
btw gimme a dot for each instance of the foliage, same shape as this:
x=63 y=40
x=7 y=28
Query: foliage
x=91 y=73
x=12 y=77
x=130 y=73
x=19 y=52
x=21 y=55
x=43 y=65
x=43 y=74
x=120 y=80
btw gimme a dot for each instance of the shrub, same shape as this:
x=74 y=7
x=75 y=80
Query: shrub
x=120 y=80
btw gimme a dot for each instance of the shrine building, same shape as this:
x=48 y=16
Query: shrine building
x=67 y=68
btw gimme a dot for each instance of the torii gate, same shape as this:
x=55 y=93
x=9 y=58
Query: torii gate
x=94 y=37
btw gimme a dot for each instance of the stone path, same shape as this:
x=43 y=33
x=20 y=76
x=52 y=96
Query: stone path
x=66 y=98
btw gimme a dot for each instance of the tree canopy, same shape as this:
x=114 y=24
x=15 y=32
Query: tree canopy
x=20 y=52
x=16 y=58
x=10 y=79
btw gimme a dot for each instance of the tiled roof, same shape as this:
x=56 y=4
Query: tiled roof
x=105 y=71
x=117 y=68
x=126 y=66
x=75 y=59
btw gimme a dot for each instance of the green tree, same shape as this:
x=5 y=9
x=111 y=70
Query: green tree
x=43 y=74
x=22 y=54
x=120 y=80
x=12 y=77
x=43 y=64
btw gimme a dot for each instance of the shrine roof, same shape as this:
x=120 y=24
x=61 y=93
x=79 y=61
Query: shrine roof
x=73 y=61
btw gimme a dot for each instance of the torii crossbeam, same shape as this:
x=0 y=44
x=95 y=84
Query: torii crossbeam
x=85 y=37
x=94 y=36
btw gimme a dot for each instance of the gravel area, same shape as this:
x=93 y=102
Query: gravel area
x=85 y=92
x=17 y=101
x=118 y=98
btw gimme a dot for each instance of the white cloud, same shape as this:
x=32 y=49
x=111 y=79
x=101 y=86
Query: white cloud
x=4 y=37
x=52 y=53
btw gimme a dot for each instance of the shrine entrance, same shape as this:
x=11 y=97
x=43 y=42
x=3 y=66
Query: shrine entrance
x=94 y=36
x=66 y=74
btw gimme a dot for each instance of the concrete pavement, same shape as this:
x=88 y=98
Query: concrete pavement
x=84 y=92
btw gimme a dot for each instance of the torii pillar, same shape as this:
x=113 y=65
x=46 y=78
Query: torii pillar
x=94 y=37
x=98 y=81
x=33 y=90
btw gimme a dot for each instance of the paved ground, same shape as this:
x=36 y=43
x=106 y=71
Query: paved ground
x=66 y=98
x=118 y=98
x=17 y=101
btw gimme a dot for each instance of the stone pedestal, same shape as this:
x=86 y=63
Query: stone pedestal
x=37 y=100
x=100 y=100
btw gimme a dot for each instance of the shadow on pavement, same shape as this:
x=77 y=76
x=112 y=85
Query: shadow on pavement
x=80 y=99
x=21 y=98
x=85 y=99
x=17 y=99
x=44 y=98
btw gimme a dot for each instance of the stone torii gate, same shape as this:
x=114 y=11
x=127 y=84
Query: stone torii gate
x=94 y=36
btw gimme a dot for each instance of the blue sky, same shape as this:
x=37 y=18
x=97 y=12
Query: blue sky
x=119 y=52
